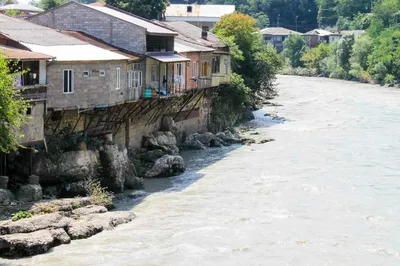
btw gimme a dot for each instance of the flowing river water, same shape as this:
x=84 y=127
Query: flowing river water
x=326 y=192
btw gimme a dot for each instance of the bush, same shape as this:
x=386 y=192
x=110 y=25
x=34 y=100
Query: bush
x=295 y=47
x=389 y=79
x=21 y=215
x=98 y=194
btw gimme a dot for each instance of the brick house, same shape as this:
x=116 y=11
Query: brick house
x=163 y=71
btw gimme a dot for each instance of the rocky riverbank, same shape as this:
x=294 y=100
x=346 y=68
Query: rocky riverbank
x=54 y=223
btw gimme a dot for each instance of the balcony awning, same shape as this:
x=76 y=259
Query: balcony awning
x=19 y=54
x=168 y=58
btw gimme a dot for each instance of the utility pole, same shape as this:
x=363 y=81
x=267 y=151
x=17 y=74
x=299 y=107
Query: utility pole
x=278 y=19
x=296 y=21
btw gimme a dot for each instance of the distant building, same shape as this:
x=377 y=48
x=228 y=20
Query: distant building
x=355 y=33
x=202 y=16
x=22 y=9
x=317 y=36
x=276 y=36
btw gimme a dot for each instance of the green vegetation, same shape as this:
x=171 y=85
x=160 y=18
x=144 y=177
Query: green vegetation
x=295 y=47
x=150 y=9
x=254 y=66
x=371 y=57
x=98 y=194
x=12 y=109
x=21 y=215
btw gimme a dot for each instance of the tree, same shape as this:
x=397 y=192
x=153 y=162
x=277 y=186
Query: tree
x=12 y=109
x=327 y=15
x=9 y=2
x=295 y=47
x=313 y=57
x=150 y=9
x=48 y=4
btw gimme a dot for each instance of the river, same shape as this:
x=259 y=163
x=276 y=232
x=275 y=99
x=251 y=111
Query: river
x=326 y=192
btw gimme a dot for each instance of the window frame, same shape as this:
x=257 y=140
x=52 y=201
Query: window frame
x=137 y=77
x=118 y=78
x=216 y=68
x=70 y=82
x=226 y=66
x=88 y=74
x=194 y=69
x=102 y=73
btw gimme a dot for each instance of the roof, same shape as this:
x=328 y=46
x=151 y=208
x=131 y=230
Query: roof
x=182 y=46
x=279 y=31
x=151 y=28
x=15 y=53
x=21 y=7
x=320 y=32
x=190 y=33
x=69 y=53
x=101 y=44
x=213 y=11
x=168 y=58
x=24 y=31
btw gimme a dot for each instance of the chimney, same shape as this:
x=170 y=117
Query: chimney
x=204 y=32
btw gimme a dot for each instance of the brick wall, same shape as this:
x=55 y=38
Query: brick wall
x=73 y=16
x=88 y=91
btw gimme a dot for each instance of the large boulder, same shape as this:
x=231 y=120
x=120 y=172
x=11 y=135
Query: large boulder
x=117 y=168
x=205 y=138
x=248 y=114
x=167 y=124
x=167 y=165
x=161 y=140
x=193 y=143
x=6 y=196
x=28 y=193
x=72 y=166
x=228 y=137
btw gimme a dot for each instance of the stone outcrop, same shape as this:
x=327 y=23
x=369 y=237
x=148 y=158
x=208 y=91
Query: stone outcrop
x=168 y=165
x=248 y=114
x=39 y=233
x=161 y=140
x=117 y=169
x=6 y=197
x=167 y=124
x=71 y=167
x=29 y=193
x=198 y=141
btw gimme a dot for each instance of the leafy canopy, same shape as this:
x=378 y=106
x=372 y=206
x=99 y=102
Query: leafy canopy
x=150 y=9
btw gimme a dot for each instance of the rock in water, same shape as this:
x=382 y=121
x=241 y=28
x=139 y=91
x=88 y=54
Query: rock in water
x=248 y=114
x=161 y=140
x=28 y=193
x=167 y=165
x=116 y=168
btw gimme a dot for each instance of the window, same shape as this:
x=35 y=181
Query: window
x=194 y=69
x=179 y=69
x=68 y=81
x=85 y=74
x=204 y=69
x=29 y=111
x=118 y=77
x=189 y=9
x=154 y=73
x=137 y=79
x=129 y=78
x=226 y=65
x=204 y=28
x=102 y=73
x=216 y=64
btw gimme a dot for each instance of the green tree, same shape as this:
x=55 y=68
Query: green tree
x=12 y=109
x=48 y=4
x=313 y=57
x=295 y=47
x=150 y=9
x=327 y=15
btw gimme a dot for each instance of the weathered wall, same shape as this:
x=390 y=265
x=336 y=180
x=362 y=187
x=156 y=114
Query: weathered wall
x=33 y=131
x=223 y=76
x=205 y=81
x=73 y=16
x=88 y=91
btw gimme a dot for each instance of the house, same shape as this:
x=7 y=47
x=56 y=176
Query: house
x=202 y=16
x=129 y=32
x=24 y=10
x=317 y=36
x=276 y=36
x=79 y=75
x=31 y=85
x=214 y=63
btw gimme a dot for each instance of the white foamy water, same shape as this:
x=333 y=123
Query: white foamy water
x=326 y=192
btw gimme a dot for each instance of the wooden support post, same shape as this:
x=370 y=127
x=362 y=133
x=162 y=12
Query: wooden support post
x=114 y=123
x=77 y=122
x=90 y=122
x=48 y=119
x=127 y=138
x=198 y=100
x=58 y=125
x=185 y=103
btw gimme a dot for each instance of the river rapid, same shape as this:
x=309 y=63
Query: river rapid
x=326 y=192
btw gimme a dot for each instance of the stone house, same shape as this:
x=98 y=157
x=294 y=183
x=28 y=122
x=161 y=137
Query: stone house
x=129 y=32
x=315 y=37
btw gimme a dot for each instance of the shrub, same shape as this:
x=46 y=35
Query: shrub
x=295 y=47
x=389 y=79
x=98 y=194
x=21 y=215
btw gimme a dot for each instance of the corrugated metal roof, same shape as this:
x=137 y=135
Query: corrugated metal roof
x=85 y=52
x=182 y=46
x=168 y=58
x=279 y=31
x=101 y=44
x=213 y=11
x=190 y=33
x=21 y=7
x=150 y=27
x=24 y=31
x=15 y=53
